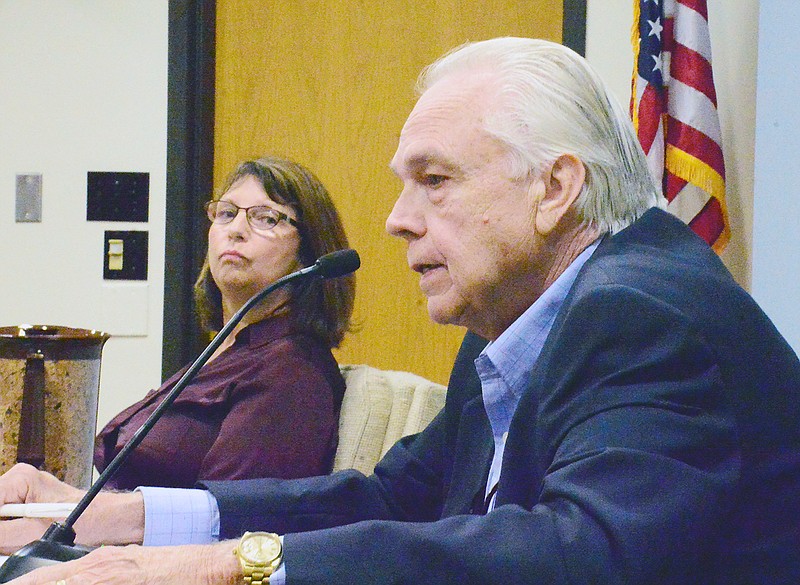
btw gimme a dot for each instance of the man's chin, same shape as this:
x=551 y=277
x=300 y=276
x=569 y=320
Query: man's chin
x=441 y=312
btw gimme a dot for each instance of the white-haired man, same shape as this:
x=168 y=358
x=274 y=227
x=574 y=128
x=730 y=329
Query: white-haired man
x=636 y=416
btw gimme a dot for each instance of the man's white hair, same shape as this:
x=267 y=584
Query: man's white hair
x=551 y=102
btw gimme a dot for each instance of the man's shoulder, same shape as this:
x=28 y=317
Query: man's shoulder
x=657 y=249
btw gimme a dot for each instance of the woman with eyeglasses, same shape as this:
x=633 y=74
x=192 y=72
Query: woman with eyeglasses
x=267 y=402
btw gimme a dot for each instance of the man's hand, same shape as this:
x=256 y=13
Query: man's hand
x=110 y=519
x=212 y=564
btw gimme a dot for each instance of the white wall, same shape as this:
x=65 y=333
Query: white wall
x=83 y=87
x=776 y=243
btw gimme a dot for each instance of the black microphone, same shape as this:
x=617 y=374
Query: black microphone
x=57 y=544
x=336 y=264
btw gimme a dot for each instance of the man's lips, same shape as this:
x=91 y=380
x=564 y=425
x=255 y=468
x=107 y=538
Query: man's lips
x=424 y=268
x=432 y=276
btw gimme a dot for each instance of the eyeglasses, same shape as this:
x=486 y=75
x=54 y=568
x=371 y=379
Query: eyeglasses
x=260 y=217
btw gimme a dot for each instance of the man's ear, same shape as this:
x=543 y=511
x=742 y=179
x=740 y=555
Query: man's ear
x=562 y=185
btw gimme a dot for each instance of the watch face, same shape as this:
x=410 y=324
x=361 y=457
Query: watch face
x=260 y=548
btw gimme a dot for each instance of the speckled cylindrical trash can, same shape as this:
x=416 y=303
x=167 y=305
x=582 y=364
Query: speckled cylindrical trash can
x=49 y=382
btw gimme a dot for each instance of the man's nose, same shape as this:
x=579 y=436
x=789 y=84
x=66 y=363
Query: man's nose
x=405 y=221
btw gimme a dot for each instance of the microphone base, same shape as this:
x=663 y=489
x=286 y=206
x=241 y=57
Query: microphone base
x=39 y=553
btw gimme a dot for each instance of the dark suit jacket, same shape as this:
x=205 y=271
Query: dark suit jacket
x=658 y=441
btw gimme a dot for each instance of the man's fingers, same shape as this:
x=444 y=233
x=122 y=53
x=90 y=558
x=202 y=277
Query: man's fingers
x=43 y=576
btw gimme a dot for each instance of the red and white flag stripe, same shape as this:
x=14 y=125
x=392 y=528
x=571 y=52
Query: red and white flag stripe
x=674 y=109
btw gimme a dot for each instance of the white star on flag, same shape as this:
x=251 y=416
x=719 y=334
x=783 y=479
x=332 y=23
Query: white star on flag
x=655 y=28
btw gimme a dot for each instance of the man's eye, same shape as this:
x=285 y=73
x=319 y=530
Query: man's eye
x=226 y=213
x=434 y=180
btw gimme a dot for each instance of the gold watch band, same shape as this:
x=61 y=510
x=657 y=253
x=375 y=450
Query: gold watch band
x=257 y=577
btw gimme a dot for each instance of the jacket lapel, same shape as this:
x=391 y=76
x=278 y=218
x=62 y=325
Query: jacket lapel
x=472 y=458
x=521 y=477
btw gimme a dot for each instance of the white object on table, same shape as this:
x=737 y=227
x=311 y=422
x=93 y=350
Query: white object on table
x=38 y=510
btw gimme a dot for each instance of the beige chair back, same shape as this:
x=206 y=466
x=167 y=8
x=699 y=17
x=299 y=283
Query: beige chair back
x=378 y=408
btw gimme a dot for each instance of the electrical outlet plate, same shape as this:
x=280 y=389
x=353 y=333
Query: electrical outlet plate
x=29 y=198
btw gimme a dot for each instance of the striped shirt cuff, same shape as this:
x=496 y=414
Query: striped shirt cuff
x=175 y=516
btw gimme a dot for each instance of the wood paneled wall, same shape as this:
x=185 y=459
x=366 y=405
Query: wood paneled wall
x=329 y=83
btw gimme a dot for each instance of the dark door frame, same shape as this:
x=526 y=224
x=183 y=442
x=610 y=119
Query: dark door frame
x=190 y=164
x=190 y=161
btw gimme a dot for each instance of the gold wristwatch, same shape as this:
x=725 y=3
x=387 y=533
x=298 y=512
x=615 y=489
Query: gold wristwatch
x=260 y=553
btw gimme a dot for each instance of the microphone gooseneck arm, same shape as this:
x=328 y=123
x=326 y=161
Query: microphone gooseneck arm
x=173 y=394
x=55 y=545
x=331 y=265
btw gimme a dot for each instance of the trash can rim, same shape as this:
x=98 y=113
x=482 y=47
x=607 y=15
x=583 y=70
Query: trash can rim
x=51 y=332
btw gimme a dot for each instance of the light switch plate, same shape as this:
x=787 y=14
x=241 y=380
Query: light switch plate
x=29 y=198
x=125 y=255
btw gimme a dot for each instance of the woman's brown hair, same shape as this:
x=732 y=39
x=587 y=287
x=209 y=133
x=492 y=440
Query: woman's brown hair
x=320 y=307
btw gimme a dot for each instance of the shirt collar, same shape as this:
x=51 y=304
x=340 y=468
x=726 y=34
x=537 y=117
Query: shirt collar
x=267 y=330
x=515 y=352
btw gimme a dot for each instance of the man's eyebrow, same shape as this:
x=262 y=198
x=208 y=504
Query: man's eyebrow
x=421 y=161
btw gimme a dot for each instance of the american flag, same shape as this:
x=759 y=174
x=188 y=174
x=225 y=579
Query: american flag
x=674 y=110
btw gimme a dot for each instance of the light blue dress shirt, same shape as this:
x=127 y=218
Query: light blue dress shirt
x=504 y=364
